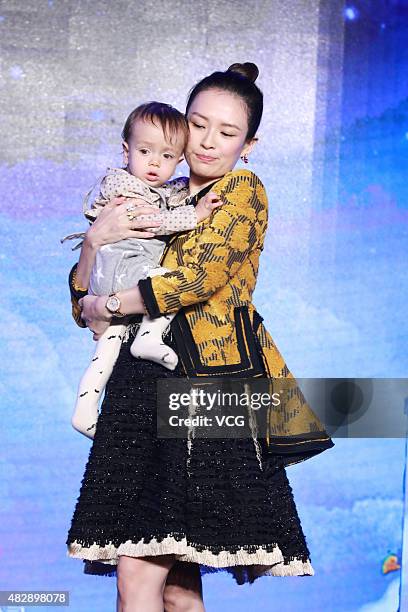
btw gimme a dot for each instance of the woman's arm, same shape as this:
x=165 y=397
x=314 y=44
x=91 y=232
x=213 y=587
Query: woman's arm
x=236 y=229
x=111 y=225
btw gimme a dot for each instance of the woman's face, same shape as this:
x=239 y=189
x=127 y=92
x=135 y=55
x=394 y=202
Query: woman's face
x=218 y=127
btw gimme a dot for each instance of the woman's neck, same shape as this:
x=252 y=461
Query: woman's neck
x=196 y=183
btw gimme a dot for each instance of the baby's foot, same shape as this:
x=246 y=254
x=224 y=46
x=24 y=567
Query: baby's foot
x=159 y=353
x=88 y=429
x=85 y=419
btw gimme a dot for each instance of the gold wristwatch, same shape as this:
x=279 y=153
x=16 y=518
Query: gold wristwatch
x=113 y=305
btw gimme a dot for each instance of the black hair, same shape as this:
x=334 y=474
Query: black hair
x=239 y=80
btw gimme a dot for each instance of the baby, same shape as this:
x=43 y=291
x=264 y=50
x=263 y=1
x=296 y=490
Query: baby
x=154 y=138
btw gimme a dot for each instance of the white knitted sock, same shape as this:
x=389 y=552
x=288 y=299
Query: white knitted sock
x=148 y=343
x=94 y=380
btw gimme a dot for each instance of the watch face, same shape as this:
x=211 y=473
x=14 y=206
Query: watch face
x=113 y=303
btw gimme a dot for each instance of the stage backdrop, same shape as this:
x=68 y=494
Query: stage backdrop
x=332 y=153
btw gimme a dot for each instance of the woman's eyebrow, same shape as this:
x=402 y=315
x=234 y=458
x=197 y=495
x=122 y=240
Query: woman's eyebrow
x=231 y=125
x=224 y=124
x=200 y=115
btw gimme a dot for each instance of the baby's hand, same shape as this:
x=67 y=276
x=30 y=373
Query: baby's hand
x=206 y=205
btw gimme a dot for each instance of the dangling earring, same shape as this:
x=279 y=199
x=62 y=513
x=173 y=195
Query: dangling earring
x=244 y=158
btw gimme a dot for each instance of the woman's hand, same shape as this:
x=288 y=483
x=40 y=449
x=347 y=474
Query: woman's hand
x=113 y=223
x=95 y=314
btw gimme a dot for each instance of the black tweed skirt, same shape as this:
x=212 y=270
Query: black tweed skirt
x=224 y=504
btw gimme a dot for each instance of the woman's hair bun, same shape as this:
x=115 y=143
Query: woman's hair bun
x=248 y=70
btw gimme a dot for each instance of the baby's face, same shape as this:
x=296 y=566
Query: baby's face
x=149 y=156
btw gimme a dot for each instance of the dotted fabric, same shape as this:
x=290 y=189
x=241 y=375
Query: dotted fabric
x=170 y=199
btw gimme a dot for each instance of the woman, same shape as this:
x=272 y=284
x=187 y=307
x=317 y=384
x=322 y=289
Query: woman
x=160 y=511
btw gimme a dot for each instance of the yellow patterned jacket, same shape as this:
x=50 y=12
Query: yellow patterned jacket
x=217 y=330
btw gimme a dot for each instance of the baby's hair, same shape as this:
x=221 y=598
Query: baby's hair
x=169 y=118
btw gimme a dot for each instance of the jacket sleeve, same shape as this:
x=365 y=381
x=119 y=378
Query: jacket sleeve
x=210 y=259
x=174 y=220
x=76 y=295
